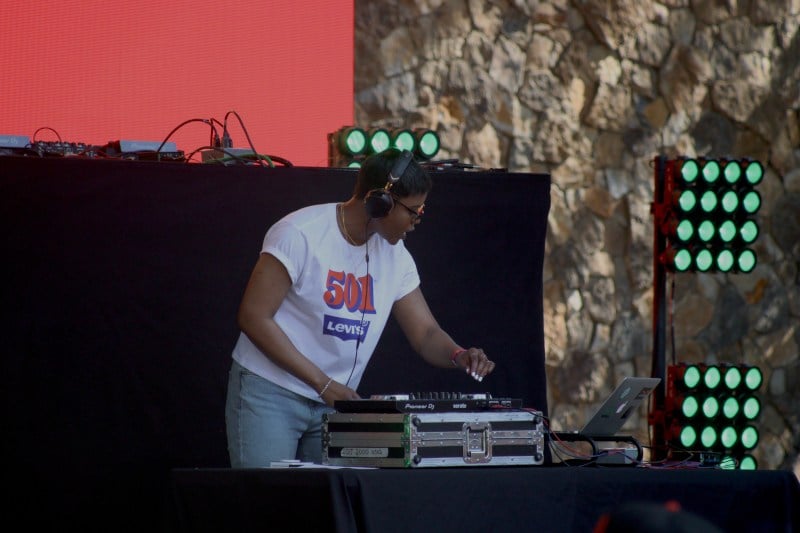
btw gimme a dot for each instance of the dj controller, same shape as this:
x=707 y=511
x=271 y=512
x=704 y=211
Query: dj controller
x=430 y=402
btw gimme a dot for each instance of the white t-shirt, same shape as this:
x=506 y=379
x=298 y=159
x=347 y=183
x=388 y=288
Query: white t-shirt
x=336 y=296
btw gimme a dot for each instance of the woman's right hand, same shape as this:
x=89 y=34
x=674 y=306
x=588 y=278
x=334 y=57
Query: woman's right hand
x=337 y=391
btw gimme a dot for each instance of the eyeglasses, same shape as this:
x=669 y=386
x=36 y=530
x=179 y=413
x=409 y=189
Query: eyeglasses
x=415 y=213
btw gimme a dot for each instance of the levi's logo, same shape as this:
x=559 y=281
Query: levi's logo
x=346 y=290
x=344 y=328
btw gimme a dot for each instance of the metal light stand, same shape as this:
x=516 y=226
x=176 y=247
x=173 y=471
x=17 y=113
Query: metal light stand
x=658 y=449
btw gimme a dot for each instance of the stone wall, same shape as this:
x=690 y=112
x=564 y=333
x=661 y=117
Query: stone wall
x=592 y=91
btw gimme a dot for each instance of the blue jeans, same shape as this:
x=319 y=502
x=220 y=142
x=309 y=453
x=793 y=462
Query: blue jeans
x=265 y=422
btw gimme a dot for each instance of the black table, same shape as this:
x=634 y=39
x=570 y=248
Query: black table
x=534 y=498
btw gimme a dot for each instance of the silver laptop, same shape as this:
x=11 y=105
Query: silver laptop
x=620 y=404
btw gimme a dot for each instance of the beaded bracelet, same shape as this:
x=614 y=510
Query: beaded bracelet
x=328 y=384
x=455 y=355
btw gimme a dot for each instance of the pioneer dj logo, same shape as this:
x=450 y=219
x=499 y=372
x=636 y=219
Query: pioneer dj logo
x=419 y=406
x=344 y=328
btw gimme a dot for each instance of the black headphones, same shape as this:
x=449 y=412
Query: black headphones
x=378 y=202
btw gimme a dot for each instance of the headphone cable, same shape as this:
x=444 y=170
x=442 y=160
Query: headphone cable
x=363 y=308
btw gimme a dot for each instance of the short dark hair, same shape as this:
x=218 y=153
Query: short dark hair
x=374 y=174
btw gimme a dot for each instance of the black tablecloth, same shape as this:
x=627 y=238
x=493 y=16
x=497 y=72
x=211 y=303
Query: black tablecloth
x=554 y=498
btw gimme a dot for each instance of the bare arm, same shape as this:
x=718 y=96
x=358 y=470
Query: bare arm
x=431 y=342
x=268 y=285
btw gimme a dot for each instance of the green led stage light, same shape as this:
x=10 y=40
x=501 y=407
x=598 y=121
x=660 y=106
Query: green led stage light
x=703 y=260
x=706 y=231
x=751 y=408
x=710 y=171
x=680 y=259
x=347 y=146
x=707 y=215
x=746 y=261
x=749 y=231
x=728 y=437
x=712 y=377
x=689 y=170
x=754 y=172
x=748 y=462
x=708 y=437
x=379 y=140
x=427 y=143
x=729 y=201
x=725 y=260
x=749 y=437
x=688 y=437
x=712 y=408
x=352 y=141
x=753 y=377
x=684 y=230
x=402 y=139
x=691 y=376
x=732 y=377
x=732 y=173
x=730 y=407
x=708 y=201
x=751 y=202
x=727 y=231
x=690 y=407
x=687 y=200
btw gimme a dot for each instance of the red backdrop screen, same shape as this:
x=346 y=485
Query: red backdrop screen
x=95 y=72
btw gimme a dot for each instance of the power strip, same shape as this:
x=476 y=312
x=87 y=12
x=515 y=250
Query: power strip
x=617 y=456
x=126 y=146
x=14 y=141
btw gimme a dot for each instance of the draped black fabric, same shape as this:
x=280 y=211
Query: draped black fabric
x=497 y=499
x=121 y=282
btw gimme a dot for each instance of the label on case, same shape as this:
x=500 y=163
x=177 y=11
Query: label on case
x=365 y=452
